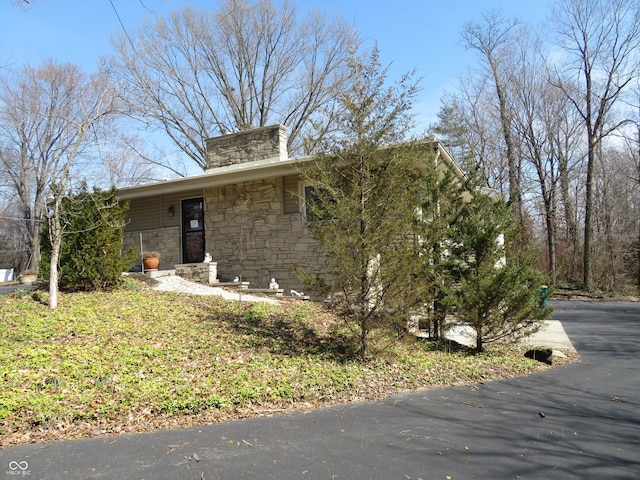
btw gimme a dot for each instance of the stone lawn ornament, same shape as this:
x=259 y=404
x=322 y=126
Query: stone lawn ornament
x=273 y=285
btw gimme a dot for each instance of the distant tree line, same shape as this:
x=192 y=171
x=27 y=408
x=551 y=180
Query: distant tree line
x=555 y=126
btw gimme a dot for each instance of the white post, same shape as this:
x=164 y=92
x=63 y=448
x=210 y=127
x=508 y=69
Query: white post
x=141 y=250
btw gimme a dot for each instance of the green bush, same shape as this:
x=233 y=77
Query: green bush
x=92 y=256
x=496 y=284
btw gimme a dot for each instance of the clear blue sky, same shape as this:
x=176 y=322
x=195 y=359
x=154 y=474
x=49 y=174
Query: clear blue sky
x=422 y=34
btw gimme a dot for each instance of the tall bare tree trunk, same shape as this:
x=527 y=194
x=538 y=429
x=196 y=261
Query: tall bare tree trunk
x=550 y=219
x=515 y=195
x=638 y=180
x=494 y=40
x=569 y=211
x=588 y=217
x=56 y=245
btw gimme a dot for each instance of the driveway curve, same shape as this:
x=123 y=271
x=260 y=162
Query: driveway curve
x=579 y=421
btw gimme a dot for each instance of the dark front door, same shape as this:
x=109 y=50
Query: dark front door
x=192 y=230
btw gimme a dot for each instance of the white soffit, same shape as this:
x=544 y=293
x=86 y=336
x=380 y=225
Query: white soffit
x=215 y=177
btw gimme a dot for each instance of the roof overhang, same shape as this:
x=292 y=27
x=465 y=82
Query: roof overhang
x=249 y=171
x=216 y=177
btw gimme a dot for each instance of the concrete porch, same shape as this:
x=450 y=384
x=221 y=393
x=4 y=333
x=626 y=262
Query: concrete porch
x=206 y=273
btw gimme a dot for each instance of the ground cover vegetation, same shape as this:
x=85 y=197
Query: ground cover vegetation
x=135 y=359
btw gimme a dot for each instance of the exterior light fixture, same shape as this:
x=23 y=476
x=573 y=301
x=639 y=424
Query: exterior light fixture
x=170 y=211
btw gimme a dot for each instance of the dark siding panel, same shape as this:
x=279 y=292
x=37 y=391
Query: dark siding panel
x=291 y=199
x=175 y=200
x=153 y=212
x=144 y=213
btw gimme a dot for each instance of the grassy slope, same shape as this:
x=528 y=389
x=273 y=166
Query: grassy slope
x=136 y=359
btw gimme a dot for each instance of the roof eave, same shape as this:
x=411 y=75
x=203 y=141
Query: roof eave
x=216 y=177
x=244 y=172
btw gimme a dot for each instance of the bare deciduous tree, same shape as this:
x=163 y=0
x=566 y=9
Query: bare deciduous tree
x=535 y=119
x=197 y=74
x=471 y=127
x=45 y=115
x=14 y=234
x=601 y=39
x=633 y=145
x=566 y=141
x=557 y=124
x=121 y=167
x=494 y=40
x=545 y=131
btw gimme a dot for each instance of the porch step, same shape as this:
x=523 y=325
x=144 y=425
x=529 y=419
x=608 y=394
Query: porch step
x=238 y=285
x=271 y=292
x=244 y=286
x=159 y=273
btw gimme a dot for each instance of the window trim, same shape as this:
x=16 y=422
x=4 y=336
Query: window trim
x=303 y=186
x=304 y=202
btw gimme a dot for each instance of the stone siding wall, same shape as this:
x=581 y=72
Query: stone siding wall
x=249 y=236
x=206 y=273
x=165 y=240
x=247 y=146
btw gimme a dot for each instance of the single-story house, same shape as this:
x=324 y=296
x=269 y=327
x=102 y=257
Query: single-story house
x=246 y=211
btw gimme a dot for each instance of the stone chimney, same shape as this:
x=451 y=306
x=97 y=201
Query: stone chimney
x=247 y=145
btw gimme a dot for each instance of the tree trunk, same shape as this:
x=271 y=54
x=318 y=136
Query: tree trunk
x=638 y=180
x=515 y=199
x=56 y=244
x=364 y=333
x=439 y=313
x=569 y=212
x=437 y=316
x=548 y=193
x=479 y=343
x=588 y=214
x=551 y=236
x=609 y=271
x=603 y=37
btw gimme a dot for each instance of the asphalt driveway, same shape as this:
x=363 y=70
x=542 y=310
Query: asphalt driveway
x=7 y=289
x=581 y=421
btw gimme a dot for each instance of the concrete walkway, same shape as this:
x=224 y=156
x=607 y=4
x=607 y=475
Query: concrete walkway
x=551 y=335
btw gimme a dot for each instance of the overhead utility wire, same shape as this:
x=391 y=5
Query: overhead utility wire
x=122 y=24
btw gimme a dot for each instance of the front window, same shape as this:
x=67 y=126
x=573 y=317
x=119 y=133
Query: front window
x=312 y=204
